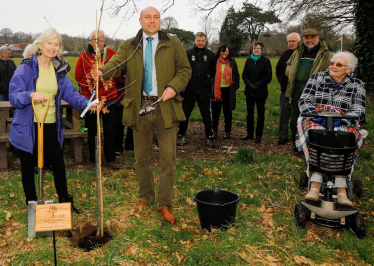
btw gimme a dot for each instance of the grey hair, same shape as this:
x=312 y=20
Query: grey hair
x=48 y=34
x=296 y=34
x=200 y=34
x=351 y=59
x=27 y=50
x=5 y=49
x=93 y=34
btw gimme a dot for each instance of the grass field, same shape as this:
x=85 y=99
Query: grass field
x=265 y=232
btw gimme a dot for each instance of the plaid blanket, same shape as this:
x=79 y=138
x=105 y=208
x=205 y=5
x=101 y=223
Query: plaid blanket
x=305 y=123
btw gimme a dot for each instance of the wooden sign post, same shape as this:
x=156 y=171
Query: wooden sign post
x=53 y=217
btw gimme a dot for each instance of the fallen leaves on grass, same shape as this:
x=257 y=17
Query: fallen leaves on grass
x=8 y=215
x=301 y=260
x=207 y=172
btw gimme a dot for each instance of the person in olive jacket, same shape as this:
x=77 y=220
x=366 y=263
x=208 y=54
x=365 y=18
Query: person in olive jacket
x=257 y=74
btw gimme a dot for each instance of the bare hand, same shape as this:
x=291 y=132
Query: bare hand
x=169 y=93
x=96 y=107
x=38 y=97
x=99 y=74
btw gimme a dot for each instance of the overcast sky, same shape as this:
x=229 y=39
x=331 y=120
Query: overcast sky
x=78 y=17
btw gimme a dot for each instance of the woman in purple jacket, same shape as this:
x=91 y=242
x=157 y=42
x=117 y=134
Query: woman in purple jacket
x=42 y=75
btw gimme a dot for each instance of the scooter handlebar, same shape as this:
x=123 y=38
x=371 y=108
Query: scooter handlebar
x=329 y=114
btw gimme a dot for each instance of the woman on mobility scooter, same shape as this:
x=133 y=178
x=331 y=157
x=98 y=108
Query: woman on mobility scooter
x=334 y=90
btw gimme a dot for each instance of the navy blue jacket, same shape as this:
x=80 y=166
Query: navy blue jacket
x=258 y=74
x=23 y=83
x=203 y=64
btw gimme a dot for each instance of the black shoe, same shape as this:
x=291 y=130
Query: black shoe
x=282 y=141
x=214 y=135
x=210 y=141
x=258 y=139
x=227 y=135
x=246 y=137
x=181 y=140
x=69 y=198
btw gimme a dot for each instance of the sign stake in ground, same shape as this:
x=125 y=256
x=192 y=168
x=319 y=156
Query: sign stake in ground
x=53 y=217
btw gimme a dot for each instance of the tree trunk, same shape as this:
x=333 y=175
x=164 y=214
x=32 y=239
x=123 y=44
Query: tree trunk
x=364 y=45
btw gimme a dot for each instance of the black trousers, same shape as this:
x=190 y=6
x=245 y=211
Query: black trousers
x=227 y=113
x=109 y=127
x=54 y=153
x=120 y=133
x=285 y=113
x=205 y=111
x=260 y=103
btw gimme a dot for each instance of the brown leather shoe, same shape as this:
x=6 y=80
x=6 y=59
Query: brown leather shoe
x=167 y=215
x=139 y=205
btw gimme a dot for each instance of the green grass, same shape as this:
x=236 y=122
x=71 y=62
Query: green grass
x=265 y=232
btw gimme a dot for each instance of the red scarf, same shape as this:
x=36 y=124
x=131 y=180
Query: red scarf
x=227 y=77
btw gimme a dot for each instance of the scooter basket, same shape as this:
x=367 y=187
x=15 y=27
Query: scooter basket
x=331 y=152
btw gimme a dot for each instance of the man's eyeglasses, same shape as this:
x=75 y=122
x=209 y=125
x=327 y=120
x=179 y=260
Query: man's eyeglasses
x=337 y=64
x=292 y=41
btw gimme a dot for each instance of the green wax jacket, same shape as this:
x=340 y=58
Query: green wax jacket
x=172 y=69
x=321 y=63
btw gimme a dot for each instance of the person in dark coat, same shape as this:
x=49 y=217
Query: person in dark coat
x=257 y=74
x=199 y=88
x=7 y=68
x=225 y=85
x=285 y=107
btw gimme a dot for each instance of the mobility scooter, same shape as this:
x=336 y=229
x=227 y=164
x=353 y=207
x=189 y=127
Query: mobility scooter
x=331 y=153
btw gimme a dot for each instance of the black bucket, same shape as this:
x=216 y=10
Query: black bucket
x=216 y=208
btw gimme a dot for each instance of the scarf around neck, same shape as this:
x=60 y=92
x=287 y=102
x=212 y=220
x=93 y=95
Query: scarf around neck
x=227 y=77
x=255 y=58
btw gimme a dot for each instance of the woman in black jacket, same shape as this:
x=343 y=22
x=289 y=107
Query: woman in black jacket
x=257 y=74
x=226 y=83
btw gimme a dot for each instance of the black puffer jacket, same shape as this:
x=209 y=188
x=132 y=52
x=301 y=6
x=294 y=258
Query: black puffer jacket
x=203 y=66
x=259 y=74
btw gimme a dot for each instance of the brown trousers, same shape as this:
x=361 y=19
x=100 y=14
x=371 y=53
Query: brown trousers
x=143 y=144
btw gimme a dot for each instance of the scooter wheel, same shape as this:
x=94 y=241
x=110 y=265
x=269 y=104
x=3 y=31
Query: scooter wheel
x=300 y=215
x=303 y=182
x=357 y=225
x=357 y=188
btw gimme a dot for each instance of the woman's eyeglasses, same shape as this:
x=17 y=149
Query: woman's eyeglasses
x=337 y=64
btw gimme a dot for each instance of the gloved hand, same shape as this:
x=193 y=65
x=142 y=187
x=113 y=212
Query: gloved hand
x=337 y=122
x=253 y=87
x=320 y=120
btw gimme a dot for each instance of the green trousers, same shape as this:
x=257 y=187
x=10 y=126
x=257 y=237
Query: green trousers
x=143 y=144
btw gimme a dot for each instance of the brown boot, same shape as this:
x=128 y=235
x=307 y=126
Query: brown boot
x=167 y=215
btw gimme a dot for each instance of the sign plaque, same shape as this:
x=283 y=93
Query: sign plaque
x=53 y=217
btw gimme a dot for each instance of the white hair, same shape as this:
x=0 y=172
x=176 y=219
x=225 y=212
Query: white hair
x=27 y=51
x=48 y=34
x=296 y=34
x=351 y=58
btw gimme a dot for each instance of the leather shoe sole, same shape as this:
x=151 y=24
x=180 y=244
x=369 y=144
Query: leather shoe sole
x=167 y=215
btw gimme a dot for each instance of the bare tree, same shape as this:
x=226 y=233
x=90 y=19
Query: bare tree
x=339 y=13
x=6 y=34
x=169 y=23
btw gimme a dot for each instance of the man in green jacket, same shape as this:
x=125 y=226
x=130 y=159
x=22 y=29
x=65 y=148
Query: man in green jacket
x=167 y=76
x=312 y=55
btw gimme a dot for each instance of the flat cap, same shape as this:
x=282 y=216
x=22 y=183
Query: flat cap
x=311 y=32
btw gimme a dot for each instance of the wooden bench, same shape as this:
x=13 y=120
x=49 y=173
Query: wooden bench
x=71 y=122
